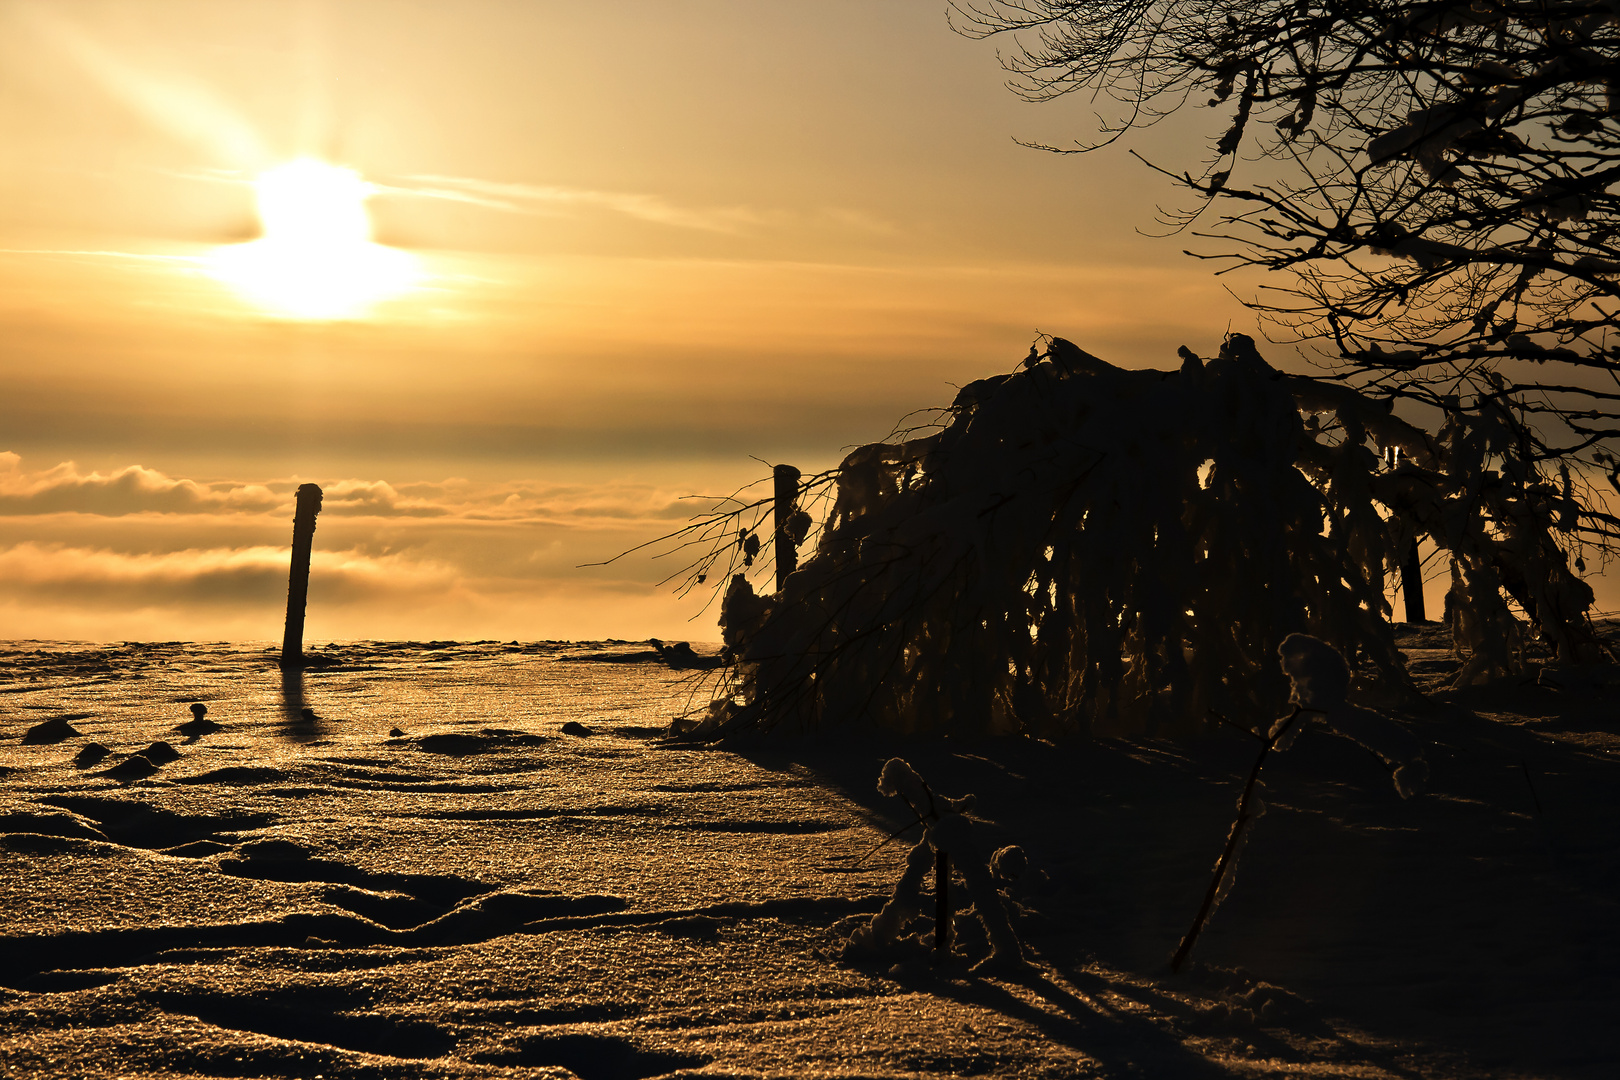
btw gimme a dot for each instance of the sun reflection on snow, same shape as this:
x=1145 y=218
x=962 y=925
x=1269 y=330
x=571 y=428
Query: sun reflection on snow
x=316 y=259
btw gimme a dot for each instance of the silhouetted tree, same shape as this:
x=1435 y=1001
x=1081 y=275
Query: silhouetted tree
x=1435 y=178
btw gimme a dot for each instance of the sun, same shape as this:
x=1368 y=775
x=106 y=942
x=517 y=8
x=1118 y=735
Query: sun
x=316 y=259
x=311 y=202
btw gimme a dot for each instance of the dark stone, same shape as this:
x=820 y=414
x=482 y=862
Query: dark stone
x=134 y=767
x=51 y=731
x=681 y=656
x=460 y=744
x=160 y=753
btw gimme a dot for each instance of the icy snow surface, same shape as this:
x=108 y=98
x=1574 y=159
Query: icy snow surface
x=303 y=893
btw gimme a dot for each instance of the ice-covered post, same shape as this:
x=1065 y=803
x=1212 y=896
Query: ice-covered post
x=292 y=641
x=787 y=501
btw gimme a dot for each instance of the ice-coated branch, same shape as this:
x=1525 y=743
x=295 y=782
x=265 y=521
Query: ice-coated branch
x=1248 y=808
x=1320 y=681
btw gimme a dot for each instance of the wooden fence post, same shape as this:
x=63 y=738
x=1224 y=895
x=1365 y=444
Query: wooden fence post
x=292 y=641
x=1412 y=585
x=787 y=501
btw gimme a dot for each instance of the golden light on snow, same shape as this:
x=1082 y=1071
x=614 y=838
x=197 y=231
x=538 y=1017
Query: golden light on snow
x=316 y=259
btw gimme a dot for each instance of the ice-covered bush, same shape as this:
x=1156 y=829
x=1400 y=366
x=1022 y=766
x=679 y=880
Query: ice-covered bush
x=946 y=832
x=1478 y=491
x=1080 y=547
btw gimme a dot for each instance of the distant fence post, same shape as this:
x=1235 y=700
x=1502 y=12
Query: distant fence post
x=292 y=641
x=787 y=501
x=1412 y=585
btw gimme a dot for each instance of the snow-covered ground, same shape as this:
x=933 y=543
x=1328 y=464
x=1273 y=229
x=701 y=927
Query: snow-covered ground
x=306 y=893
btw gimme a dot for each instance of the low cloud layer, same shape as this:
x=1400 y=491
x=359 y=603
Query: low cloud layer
x=217 y=577
x=132 y=490
x=132 y=553
x=66 y=489
x=135 y=553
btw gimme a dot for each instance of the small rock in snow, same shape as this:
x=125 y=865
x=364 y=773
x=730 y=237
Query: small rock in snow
x=134 y=767
x=160 y=753
x=51 y=731
x=196 y=729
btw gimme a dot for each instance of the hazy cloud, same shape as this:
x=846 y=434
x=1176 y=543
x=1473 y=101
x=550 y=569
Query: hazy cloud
x=554 y=199
x=62 y=591
x=538 y=198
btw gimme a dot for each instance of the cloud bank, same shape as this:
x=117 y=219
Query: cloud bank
x=134 y=553
x=132 y=490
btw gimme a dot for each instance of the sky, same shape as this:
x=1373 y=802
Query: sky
x=612 y=256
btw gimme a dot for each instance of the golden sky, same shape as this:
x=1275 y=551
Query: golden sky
x=610 y=255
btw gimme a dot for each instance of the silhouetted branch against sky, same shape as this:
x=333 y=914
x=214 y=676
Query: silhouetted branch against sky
x=1434 y=179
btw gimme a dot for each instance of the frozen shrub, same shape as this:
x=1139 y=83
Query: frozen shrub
x=946 y=830
x=1082 y=548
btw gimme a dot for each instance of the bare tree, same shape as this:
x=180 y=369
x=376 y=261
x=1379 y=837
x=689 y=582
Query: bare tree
x=1435 y=179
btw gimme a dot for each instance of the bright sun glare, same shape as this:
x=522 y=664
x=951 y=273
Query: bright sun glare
x=316 y=259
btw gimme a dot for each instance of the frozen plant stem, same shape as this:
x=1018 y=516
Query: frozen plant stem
x=1232 y=840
